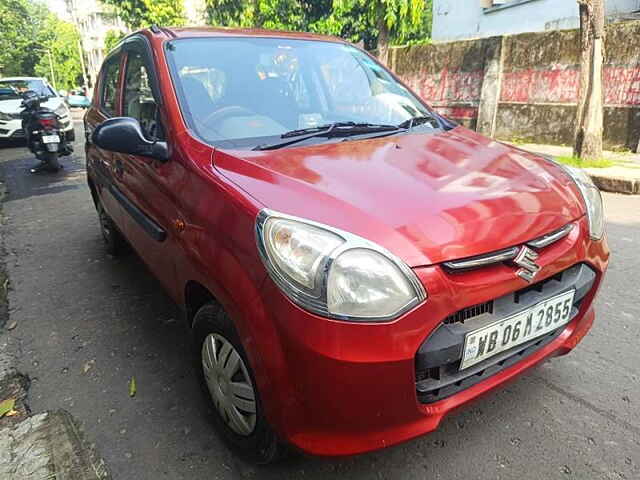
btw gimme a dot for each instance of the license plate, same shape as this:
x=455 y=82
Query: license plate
x=502 y=335
x=50 y=139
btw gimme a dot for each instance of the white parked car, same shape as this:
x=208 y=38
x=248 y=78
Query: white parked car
x=11 y=97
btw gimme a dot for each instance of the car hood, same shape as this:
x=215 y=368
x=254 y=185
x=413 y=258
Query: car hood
x=427 y=198
x=13 y=106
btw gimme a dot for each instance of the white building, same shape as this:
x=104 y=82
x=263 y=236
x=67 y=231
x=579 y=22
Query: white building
x=93 y=20
x=461 y=19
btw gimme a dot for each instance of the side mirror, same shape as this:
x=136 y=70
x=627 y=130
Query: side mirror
x=124 y=135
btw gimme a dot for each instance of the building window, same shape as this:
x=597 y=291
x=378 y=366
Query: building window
x=495 y=5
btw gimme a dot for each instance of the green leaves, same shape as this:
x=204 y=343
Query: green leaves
x=144 y=13
x=354 y=20
x=29 y=32
x=6 y=407
x=132 y=387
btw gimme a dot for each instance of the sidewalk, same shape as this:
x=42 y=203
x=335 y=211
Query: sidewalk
x=624 y=177
x=48 y=445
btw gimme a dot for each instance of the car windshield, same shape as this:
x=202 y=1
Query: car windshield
x=243 y=92
x=13 y=89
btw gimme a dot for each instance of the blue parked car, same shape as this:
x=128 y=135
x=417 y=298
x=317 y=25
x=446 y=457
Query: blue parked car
x=77 y=98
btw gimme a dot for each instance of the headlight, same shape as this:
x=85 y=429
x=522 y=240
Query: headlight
x=333 y=273
x=62 y=110
x=5 y=116
x=590 y=195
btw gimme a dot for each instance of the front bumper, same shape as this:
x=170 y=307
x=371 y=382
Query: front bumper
x=341 y=388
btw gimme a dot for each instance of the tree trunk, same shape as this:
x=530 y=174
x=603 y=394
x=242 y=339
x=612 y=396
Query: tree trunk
x=383 y=40
x=589 y=116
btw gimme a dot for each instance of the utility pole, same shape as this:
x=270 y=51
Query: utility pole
x=53 y=76
x=85 y=83
x=589 y=116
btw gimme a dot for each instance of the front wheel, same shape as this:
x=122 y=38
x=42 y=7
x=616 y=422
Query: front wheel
x=227 y=379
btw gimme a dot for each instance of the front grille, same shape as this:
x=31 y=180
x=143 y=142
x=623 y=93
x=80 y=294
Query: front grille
x=3 y=131
x=470 y=312
x=18 y=133
x=437 y=361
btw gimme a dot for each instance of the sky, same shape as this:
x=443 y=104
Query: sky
x=59 y=8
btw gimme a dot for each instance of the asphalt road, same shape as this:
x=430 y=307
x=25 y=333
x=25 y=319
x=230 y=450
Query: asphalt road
x=87 y=323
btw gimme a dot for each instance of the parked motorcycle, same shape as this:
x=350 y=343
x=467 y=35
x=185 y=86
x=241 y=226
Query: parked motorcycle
x=44 y=134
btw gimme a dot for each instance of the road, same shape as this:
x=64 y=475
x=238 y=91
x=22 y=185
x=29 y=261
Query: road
x=87 y=323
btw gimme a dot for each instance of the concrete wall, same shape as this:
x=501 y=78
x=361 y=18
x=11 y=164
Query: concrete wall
x=525 y=86
x=462 y=19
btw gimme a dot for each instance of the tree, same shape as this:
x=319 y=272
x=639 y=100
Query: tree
x=395 y=20
x=59 y=50
x=376 y=22
x=111 y=39
x=22 y=26
x=589 y=116
x=296 y=15
x=143 y=13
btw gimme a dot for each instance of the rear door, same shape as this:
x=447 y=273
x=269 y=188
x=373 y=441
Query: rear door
x=100 y=163
x=148 y=185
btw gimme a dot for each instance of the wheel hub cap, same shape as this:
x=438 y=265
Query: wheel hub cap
x=229 y=384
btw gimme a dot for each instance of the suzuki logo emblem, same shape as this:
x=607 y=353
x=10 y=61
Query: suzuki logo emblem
x=526 y=259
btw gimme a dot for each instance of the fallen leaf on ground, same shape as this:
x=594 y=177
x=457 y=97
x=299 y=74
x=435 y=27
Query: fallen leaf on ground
x=88 y=365
x=132 y=387
x=6 y=406
x=12 y=325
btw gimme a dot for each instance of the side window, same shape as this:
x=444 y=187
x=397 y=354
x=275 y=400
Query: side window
x=110 y=79
x=138 y=98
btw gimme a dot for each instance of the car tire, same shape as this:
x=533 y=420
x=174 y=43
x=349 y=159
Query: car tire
x=114 y=241
x=215 y=335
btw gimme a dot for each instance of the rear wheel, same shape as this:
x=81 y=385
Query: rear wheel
x=114 y=241
x=228 y=382
x=52 y=161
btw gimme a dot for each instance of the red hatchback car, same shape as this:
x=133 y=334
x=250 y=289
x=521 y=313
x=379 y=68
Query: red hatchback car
x=352 y=265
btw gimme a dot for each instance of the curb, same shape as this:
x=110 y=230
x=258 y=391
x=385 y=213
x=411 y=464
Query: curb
x=629 y=186
x=43 y=446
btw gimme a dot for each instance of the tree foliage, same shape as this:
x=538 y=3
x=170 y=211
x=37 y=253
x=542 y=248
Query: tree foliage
x=402 y=21
x=143 y=13
x=21 y=31
x=29 y=33
x=111 y=39
x=62 y=43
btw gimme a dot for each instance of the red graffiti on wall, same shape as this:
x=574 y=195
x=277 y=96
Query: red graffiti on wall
x=561 y=85
x=621 y=86
x=558 y=84
x=447 y=86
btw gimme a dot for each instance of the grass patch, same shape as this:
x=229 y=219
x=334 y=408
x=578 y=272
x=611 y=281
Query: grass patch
x=584 y=163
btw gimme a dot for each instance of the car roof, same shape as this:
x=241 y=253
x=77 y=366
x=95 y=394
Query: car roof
x=190 y=32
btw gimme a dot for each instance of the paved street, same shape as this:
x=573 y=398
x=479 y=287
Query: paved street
x=87 y=323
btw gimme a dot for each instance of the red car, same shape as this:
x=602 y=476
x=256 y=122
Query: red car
x=352 y=265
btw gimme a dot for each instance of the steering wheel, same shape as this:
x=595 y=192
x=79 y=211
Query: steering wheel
x=225 y=112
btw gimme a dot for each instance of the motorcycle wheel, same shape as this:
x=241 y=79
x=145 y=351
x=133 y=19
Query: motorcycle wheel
x=52 y=161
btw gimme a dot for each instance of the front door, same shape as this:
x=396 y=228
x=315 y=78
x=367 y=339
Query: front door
x=148 y=185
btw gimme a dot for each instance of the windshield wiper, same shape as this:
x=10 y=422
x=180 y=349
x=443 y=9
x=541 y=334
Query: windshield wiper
x=337 y=129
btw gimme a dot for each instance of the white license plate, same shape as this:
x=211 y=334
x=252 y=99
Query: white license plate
x=502 y=335
x=50 y=139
